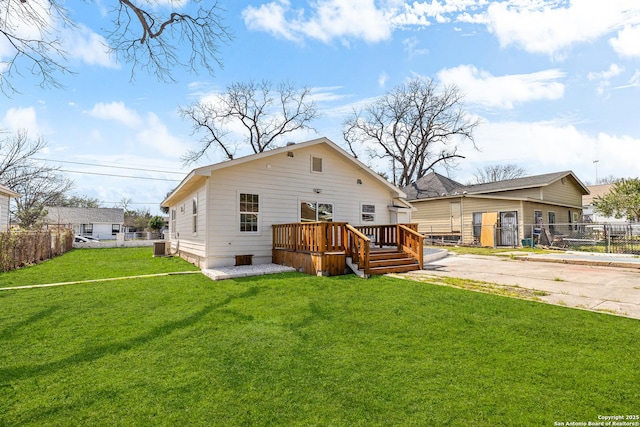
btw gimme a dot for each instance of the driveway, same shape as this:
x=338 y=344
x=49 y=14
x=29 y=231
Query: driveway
x=583 y=285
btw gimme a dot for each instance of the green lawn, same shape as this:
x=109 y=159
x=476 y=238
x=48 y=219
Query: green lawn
x=90 y=264
x=292 y=349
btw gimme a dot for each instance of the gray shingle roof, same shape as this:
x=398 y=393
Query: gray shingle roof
x=63 y=215
x=436 y=185
x=432 y=185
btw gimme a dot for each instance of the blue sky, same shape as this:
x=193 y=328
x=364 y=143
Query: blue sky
x=556 y=85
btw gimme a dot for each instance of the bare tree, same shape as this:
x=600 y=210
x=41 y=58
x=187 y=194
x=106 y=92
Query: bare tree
x=264 y=116
x=416 y=126
x=147 y=34
x=38 y=184
x=493 y=173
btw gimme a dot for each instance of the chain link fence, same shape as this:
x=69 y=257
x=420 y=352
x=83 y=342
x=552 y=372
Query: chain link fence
x=621 y=238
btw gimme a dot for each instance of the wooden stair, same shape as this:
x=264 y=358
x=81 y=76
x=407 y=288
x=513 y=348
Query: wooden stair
x=388 y=261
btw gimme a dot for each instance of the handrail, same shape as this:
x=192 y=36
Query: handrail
x=411 y=242
x=358 y=246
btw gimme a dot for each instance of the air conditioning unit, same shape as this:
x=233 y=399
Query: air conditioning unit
x=160 y=248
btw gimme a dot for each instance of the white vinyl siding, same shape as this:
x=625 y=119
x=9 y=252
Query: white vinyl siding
x=283 y=183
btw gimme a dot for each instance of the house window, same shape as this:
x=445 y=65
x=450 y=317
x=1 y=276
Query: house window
x=552 y=221
x=313 y=211
x=249 y=211
x=115 y=228
x=316 y=164
x=368 y=213
x=477 y=224
x=173 y=221
x=194 y=213
x=537 y=219
x=87 y=229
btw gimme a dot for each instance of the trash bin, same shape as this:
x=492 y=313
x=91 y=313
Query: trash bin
x=527 y=243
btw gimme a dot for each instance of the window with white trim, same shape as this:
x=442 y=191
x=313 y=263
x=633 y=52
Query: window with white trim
x=367 y=213
x=172 y=223
x=249 y=212
x=314 y=211
x=194 y=214
x=316 y=164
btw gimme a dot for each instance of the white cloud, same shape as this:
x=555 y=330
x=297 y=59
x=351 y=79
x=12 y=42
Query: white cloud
x=504 y=91
x=604 y=77
x=420 y=13
x=328 y=20
x=411 y=47
x=16 y=119
x=116 y=111
x=382 y=79
x=157 y=138
x=89 y=47
x=626 y=43
x=551 y=27
x=542 y=147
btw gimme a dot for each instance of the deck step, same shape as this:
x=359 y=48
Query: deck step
x=375 y=256
x=394 y=269
x=391 y=261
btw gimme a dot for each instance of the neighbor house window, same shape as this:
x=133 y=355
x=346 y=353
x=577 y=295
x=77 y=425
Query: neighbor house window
x=316 y=164
x=194 y=214
x=249 y=211
x=477 y=224
x=537 y=219
x=87 y=228
x=552 y=221
x=313 y=211
x=115 y=228
x=368 y=213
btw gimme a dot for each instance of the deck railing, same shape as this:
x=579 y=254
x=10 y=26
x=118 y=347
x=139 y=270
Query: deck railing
x=321 y=237
x=318 y=237
x=383 y=235
x=358 y=248
x=411 y=242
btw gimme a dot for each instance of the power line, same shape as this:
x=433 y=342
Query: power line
x=120 y=176
x=108 y=166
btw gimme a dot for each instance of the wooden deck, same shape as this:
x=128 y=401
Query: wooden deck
x=335 y=248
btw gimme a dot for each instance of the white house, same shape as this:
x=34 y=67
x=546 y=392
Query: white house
x=590 y=214
x=225 y=210
x=101 y=223
x=5 y=199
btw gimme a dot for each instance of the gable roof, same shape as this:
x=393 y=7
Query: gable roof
x=434 y=185
x=199 y=175
x=599 y=190
x=65 y=215
x=8 y=192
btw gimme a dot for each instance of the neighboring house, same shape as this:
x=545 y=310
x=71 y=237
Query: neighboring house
x=222 y=212
x=5 y=200
x=101 y=223
x=588 y=211
x=511 y=210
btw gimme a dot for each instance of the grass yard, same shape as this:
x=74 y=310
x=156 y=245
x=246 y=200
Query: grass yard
x=292 y=349
x=91 y=264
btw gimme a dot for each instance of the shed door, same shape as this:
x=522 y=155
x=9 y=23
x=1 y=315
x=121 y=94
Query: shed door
x=456 y=225
x=508 y=228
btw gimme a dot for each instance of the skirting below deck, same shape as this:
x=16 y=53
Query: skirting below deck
x=319 y=264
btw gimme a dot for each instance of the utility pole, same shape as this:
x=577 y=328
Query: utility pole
x=595 y=162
